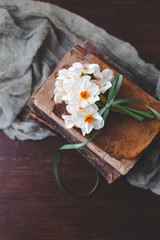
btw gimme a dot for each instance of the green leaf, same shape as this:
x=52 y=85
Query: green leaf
x=134 y=101
x=105 y=115
x=154 y=111
x=102 y=98
x=116 y=90
x=99 y=104
x=141 y=113
x=118 y=101
x=131 y=114
x=112 y=88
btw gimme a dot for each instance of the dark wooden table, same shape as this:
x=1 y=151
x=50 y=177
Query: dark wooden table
x=32 y=207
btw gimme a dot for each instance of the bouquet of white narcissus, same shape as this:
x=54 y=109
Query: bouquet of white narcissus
x=80 y=87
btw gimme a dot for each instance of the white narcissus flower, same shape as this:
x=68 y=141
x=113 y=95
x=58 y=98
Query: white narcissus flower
x=68 y=119
x=59 y=92
x=90 y=68
x=104 y=79
x=103 y=85
x=88 y=118
x=84 y=92
x=68 y=83
x=65 y=75
x=107 y=74
x=63 y=86
x=76 y=68
x=83 y=69
x=62 y=74
x=72 y=118
x=72 y=108
x=80 y=93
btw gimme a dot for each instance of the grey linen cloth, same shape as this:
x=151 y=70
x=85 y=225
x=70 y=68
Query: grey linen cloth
x=34 y=36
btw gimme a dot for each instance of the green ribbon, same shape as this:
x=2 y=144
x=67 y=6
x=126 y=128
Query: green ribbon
x=56 y=158
x=104 y=111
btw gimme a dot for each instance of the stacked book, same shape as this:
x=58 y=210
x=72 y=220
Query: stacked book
x=122 y=141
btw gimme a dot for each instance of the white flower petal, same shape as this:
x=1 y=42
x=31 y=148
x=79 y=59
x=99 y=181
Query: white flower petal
x=92 y=100
x=77 y=65
x=68 y=121
x=58 y=98
x=63 y=73
x=106 y=87
x=107 y=74
x=86 y=78
x=94 y=89
x=97 y=116
x=96 y=109
x=98 y=124
x=98 y=75
x=91 y=68
x=59 y=83
x=88 y=128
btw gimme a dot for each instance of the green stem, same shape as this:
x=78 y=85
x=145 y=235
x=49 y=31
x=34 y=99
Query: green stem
x=99 y=104
x=141 y=113
x=102 y=98
x=126 y=111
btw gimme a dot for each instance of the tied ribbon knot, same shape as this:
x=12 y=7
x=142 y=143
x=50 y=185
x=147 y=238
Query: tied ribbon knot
x=104 y=111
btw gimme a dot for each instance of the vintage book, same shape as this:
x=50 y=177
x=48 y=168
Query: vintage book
x=122 y=140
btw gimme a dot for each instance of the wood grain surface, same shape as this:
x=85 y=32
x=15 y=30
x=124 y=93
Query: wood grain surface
x=32 y=207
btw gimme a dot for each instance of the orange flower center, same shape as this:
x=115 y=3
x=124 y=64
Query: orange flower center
x=89 y=118
x=84 y=94
x=85 y=68
x=98 y=85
